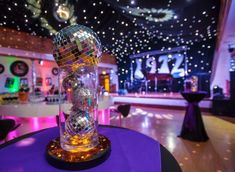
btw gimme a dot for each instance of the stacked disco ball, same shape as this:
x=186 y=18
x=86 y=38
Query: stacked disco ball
x=77 y=51
x=76 y=46
x=79 y=123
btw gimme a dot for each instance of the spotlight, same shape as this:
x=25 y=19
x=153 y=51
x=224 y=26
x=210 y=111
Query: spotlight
x=104 y=72
x=218 y=92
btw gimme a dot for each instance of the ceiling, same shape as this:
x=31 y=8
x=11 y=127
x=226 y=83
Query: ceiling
x=125 y=27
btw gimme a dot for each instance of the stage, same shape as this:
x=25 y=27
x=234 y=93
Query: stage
x=159 y=100
x=152 y=100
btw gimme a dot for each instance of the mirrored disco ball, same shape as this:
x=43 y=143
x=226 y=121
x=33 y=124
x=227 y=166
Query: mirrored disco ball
x=82 y=93
x=71 y=82
x=79 y=123
x=62 y=12
x=76 y=46
x=83 y=99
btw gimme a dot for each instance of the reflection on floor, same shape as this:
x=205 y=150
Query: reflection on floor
x=215 y=155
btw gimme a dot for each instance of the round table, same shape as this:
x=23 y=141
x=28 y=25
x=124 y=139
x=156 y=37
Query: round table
x=131 y=151
x=193 y=128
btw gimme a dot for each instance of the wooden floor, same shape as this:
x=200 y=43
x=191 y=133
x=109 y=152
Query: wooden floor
x=215 y=155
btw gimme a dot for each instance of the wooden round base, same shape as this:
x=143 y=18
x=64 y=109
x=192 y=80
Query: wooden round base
x=59 y=158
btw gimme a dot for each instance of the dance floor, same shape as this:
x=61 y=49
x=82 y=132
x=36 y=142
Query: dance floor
x=215 y=155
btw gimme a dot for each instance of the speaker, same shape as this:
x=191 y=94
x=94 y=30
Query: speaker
x=232 y=85
x=220 y=107
x=223 y=107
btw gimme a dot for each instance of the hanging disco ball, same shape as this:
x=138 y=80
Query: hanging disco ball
x=63 y=13
x=76 y=46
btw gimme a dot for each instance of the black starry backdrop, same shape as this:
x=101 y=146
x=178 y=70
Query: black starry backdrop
x=127 y=27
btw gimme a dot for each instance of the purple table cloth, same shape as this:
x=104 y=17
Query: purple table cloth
x=193 y=128
x=131 y=152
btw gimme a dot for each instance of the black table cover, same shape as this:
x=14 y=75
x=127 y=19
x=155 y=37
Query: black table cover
x=193 y=128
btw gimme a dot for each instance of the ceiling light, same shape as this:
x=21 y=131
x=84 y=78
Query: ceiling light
x=132 y=2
